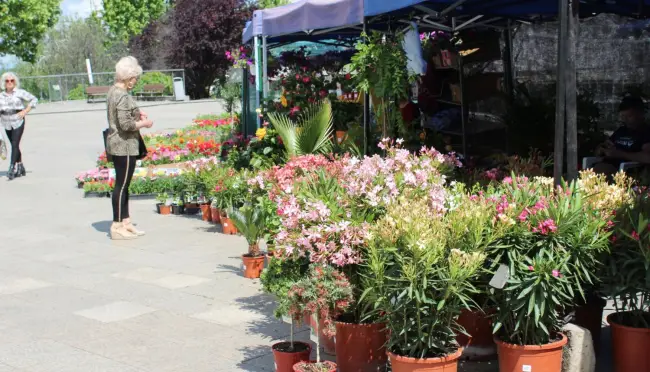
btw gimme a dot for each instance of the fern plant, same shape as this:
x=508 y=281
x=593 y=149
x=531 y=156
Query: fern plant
x=250 y=222
x=312 y=134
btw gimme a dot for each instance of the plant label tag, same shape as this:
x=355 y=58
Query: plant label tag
x=501 y=277
x=286 y=319
x=526 y=368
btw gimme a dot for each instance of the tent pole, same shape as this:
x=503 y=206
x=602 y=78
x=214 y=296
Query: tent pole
x=464 y=110
x=560 y=105
x=366 y=110
x=508 y=71
x=258 y=77
x=571 y=92
x=265 y=56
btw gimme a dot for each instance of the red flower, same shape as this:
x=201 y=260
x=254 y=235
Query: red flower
x=348 y=76
x=635 y=235
x=306 y=79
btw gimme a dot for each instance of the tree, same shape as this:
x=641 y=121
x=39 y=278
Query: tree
x=127 y=18
x=23 y=23
x=202 y=33
x=265 y=4
x=64 y=50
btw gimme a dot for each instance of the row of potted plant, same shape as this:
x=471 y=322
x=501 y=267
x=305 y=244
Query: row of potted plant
x=521 y=251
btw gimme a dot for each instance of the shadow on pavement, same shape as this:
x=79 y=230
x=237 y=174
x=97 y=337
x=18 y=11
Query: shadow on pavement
x=229 y=268
x=102 y=226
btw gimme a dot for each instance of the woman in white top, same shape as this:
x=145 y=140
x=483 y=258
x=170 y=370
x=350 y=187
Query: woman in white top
x=15 y=104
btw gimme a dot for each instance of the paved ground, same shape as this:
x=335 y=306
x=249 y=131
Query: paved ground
x=71 y=300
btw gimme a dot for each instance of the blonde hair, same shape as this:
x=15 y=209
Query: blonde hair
x=7 y=75
x=127 y=68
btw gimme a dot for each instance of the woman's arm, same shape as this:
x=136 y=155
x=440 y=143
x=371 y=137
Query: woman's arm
x=30 y=99
x=125 y=119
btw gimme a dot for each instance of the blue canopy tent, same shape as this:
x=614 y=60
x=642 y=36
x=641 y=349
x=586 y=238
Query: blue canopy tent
x=328 y=19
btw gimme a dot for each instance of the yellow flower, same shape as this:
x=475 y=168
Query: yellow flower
x=283 y=100
x=177 y=157
x=261 y=133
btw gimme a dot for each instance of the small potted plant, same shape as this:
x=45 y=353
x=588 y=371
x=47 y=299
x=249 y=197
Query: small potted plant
x=215 y=213
x=205 y=206
x=626 y=281
x=250 y=221
x=286 y=354
x=191 y=204
x=178 y=208
x=325 y=293
x=163 y=206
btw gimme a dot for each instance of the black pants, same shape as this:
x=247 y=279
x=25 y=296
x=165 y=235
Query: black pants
x=14 y=136
x=124 y=168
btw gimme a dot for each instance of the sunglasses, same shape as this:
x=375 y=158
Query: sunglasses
x=10 y=81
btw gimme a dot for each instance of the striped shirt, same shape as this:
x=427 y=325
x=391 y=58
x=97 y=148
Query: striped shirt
x=11 y=104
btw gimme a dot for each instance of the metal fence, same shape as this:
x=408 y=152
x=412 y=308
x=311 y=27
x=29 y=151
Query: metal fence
x=68 y=87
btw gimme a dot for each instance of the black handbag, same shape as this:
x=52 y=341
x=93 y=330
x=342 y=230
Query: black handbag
x=142 y=150
x=105 y=133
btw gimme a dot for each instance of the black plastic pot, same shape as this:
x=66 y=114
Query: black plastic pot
x=142 y=196
x=192 y=209
x=93 y=194
x=178 y=210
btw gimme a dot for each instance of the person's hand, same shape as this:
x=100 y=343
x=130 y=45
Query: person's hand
x=612 y=152
x=22 y=114
x=143 y=116
x=148 y=123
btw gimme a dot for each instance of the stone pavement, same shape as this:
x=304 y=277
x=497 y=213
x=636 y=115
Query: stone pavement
x=73 y=300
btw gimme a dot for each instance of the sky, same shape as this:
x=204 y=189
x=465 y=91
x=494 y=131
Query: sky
x=79 y=8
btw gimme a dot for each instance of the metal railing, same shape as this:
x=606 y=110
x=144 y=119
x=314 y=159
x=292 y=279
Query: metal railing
x=68 y=87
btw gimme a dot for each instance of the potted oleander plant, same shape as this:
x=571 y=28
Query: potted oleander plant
x=551 y=251
x=627 y=282
x=250 y=221
x=418 y=285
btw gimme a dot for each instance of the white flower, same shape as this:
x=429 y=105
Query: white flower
x=399 y=141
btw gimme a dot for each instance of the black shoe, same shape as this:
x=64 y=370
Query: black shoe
x=21 y=170
x=10 y=173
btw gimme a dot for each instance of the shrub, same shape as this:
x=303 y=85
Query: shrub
x=77 y=93
x=155 y=78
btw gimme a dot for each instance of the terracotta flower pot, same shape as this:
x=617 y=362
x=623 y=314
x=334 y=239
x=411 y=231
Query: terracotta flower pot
x=590 y=316
x=361 y=347
x=480 y=346
x=327 y=342
x=540 y=358
x=205 y=212
x=164 y=209
x=447 y=363
x=300 y=366
x=253 y=266
x=228 y=227
x=340 y=136
x=285 y=359
x=215 y=214
x=630 y=346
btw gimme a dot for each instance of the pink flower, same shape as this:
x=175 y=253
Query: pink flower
x=556 y=273
x=531 y=268
x=523 y=216
x=635 y=235
x=546 y=227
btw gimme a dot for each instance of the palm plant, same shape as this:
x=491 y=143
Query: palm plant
x=311 y=134
x=250 y=222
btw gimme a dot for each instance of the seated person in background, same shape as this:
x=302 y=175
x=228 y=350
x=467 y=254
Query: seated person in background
x=630 y=142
